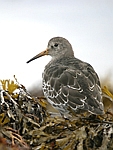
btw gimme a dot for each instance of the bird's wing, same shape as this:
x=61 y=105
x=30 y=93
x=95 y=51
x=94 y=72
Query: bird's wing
x=73 y=88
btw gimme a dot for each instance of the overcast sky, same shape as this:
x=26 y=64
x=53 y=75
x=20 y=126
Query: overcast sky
x=26 y=26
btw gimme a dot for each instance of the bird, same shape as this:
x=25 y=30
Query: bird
x=69 y=84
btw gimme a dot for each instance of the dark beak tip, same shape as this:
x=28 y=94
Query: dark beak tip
x=31 y=60
x=37 y=56
x=27 y=62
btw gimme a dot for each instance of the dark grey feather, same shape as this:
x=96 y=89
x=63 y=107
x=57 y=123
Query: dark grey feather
x=77 y=83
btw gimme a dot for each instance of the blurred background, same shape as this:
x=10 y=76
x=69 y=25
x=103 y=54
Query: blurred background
x=26 y=26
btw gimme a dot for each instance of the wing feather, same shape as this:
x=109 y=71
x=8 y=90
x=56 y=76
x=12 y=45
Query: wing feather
x=78 y=88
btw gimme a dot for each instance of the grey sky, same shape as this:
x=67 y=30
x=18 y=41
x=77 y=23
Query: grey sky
x=27 y=25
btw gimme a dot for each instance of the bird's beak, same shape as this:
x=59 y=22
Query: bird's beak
x=39 y=55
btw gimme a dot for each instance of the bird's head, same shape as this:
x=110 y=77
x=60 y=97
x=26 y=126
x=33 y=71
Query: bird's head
x=57 y=47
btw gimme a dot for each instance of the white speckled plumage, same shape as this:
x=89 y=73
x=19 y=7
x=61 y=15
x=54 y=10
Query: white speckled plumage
x=69 y=84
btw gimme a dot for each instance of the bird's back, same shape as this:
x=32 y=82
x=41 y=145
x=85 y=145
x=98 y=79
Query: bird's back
x=70 y=84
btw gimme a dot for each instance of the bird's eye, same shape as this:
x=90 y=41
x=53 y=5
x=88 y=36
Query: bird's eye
x=56 y=44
